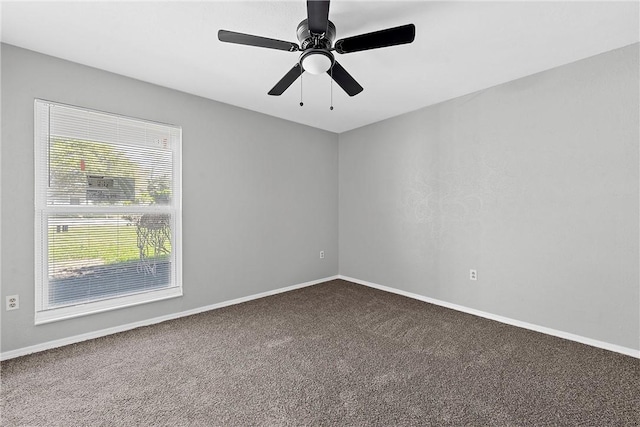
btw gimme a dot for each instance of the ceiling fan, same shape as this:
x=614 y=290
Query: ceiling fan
x=316 y=35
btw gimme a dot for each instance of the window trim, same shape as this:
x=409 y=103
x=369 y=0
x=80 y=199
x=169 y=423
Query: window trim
x=42 y=211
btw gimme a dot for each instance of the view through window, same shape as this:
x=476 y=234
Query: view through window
x=108 y=211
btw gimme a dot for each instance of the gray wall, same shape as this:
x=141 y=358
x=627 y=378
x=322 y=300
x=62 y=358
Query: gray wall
x=260 y=194
x=534 y=183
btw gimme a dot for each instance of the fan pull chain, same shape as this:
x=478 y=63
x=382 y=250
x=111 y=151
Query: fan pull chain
x=331 y=107
x=301 y=103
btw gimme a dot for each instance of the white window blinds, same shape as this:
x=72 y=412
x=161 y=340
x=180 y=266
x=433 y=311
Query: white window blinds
x=108 y=210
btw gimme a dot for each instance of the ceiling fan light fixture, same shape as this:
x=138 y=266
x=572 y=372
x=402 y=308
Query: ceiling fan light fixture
x=316 y=61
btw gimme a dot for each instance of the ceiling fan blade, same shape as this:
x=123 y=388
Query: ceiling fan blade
x=344 y=79
x=383 y=38
x=287 y=80
x=257 y=41
x=318 y=16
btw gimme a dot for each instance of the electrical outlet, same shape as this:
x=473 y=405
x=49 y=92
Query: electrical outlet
x=321 y=254
x=13 y=302
x=473 y=275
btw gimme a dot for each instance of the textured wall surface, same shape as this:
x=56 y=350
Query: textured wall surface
x=259 y=193
x=534 y=183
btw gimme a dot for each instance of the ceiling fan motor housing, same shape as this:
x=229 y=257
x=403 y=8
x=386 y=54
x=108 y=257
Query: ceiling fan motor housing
x=318 y=41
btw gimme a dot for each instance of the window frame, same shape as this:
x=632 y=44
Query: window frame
x=42 y=212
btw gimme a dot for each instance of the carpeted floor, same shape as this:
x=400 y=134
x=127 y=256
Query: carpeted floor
x=332 y=354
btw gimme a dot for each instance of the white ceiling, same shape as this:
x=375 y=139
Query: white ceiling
x=460 y=47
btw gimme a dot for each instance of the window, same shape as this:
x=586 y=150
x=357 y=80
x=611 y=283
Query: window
x=108 y=211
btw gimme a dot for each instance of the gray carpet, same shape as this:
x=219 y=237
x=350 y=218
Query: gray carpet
x=331 y=354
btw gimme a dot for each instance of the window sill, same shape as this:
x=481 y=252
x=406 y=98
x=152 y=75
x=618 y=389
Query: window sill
x=64 y=313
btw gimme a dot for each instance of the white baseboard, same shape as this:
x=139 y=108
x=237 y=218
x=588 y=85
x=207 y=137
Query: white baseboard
x=108 y=331
x=561 y=334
